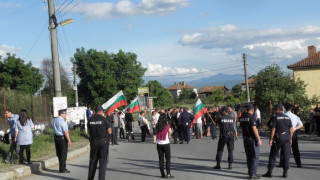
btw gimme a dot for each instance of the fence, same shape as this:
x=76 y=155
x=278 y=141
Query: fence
x=39 y=107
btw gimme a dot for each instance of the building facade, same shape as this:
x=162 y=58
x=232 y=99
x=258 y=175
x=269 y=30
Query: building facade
x=308 y=70
x=176 y=88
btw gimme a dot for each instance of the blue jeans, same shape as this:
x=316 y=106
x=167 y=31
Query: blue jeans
x=212 y=130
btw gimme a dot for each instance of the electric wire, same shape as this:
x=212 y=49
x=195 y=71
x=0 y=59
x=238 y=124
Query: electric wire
x=57 y=13
x=36 y=41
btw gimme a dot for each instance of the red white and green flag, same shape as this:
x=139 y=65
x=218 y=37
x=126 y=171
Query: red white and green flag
x=198 y=111
x=134 y=106
x=115 y=102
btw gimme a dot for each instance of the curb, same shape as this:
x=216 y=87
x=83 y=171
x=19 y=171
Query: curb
x=37 y=166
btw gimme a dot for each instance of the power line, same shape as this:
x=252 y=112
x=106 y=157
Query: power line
x=57 y=13
x=70 y=9
x=197 y=72
x=61 y=5
x=36 y=41
x=19 y=11
x=252 y=68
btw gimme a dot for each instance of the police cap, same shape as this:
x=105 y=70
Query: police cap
x=249 y=107
x=288 y=106
x=99 y=108
x=225 y=109
x=62 y=111
x=278 y=106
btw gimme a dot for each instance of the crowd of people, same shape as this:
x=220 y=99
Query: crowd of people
x=179 y=124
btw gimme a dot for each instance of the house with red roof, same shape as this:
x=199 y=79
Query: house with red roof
x=308 y=70
x=176 y=88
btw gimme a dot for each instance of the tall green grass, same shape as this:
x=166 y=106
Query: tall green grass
x=43 y=146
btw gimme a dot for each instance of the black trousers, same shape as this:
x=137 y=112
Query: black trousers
x=318 y=126
x=252 y=153
x=185 y=133
x=176 y=134
x=98 y=152
x=129 y=131
x=144 y=130
x=13 y=147
x=22 y=148
x=295 y=150
x=115 y=135
x=61 y=144
x=223 y=140
x=122 y=136
x=282 y=142
x=164 y=152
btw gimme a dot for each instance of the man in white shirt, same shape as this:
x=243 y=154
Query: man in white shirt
x=257 y=117
x=296 y=124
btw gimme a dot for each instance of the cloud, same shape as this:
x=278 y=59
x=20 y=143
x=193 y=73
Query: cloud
x=8 y=49
x=106 y=10
x=277 y=43
x=159 y=70
x=9 y=5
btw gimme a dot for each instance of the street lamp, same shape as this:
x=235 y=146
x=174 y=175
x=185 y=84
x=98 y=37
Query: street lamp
x=53 y=24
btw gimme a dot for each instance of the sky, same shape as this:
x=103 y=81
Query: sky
x=174 y=39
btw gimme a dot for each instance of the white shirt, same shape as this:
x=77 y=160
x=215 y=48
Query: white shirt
x=257 y=114
x=199 y=120
x=156 y=121
x=295 y=120
x=141 y=119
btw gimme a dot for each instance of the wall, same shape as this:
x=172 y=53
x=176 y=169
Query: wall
x=311 y=77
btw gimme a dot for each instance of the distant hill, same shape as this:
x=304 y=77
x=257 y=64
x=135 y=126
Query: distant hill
x=219 y=79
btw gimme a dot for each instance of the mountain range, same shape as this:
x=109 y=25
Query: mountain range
x=229 y=80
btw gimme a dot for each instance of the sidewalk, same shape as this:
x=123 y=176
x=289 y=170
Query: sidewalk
x=301 y=136
x=37 y=166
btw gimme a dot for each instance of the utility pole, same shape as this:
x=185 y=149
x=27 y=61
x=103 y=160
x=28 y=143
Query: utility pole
x=75 y=87
x=54 y=49
x=246 y=76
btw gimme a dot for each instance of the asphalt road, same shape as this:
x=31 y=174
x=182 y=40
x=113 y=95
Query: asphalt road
x=137 y=160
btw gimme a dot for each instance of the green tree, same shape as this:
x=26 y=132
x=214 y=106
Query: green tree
x=187 y=94
x=231 y=100
x=163 y=96
x=237 y=90
x=276 y=86
x=103 y=74
x=15 y=74
x=217 y=96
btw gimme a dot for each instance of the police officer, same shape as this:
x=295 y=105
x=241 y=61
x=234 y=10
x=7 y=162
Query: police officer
x=61 y=139
x=185 y=120
x=99 y=129
x=226 y=137
x=129 y=120
x=280 y=137
x=296 y=125
x=251 y=141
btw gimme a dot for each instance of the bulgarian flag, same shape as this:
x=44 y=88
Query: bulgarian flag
x=134 y=106
x=198 y=111
x=115 y=102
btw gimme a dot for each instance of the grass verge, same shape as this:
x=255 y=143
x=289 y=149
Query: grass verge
x=43 y=147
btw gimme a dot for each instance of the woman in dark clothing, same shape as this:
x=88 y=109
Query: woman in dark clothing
x=163 y=145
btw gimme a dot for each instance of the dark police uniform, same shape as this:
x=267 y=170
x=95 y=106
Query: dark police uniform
x=129 y=119
x=185 y=121
x=98 y=126
x=59 y=126
x=250 y=142
x=282 y=124
x=226 y=137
